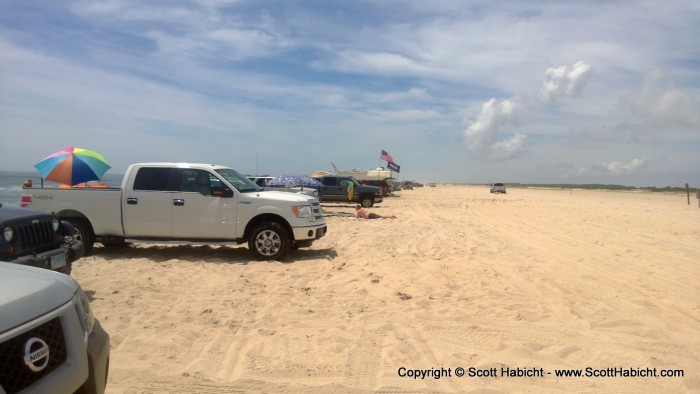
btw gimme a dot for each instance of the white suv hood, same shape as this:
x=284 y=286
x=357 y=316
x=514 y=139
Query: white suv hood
x=29 y=292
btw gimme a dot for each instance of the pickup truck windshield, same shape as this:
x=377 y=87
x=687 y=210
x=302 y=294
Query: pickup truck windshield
x=240 y=182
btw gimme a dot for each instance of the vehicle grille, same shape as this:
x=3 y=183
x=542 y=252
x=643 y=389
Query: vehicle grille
x=15 y=375
x=35 y=236
x=316 y=208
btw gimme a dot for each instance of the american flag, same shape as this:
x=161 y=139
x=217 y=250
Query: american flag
x=386 y=156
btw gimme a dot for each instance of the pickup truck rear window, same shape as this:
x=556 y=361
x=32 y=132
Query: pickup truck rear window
x=154 y=179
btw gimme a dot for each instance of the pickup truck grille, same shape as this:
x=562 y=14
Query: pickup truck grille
x=316 y=208
x=15 y=375
x=35 y=236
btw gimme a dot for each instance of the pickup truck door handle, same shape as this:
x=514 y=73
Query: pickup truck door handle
x=178 y=202
x=132 y=200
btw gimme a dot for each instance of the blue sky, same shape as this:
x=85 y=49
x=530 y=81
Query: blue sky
x=456 y=91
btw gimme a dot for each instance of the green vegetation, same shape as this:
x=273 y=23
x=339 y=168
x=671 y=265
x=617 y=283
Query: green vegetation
x=667 y=189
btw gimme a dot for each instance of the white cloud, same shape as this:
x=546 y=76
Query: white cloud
x=413 y=94
x=576 y=172
x=408 y=115
x=482 y=134
x=661 y=101
x=377 y=62
x=658 y=110
x=563 y=81
x=508 y=149
x=617 y=167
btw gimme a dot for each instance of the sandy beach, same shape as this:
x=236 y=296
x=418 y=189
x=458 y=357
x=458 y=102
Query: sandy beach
x=526 y=283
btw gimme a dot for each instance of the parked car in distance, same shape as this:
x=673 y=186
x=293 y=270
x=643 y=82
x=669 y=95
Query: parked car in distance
x=50 y=341
x=498 y=187
x=432 y=184
x=38 y=239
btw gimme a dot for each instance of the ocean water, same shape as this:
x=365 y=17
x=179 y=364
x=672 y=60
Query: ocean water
x=11 y=184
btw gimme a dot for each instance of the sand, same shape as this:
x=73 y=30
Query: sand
x=530 y=282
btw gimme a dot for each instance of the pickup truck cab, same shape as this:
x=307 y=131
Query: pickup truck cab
x=187 y=203
x=348 y=189
x=50 y=341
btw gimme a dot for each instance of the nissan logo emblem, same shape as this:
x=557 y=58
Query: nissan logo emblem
x=36 y=354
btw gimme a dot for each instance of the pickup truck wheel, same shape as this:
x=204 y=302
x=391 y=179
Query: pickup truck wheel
x=269 y=241
x=116 y=242
x=367 y=202
x=83 y=233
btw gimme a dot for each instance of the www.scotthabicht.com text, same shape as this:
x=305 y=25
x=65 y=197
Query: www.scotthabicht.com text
x=532 y=372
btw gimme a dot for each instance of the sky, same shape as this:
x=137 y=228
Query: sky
x=455 y=91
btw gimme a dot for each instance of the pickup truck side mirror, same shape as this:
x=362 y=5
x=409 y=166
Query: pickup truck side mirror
x=220 y=191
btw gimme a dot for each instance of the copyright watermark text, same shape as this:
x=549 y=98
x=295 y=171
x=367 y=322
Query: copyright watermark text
x=537 y=372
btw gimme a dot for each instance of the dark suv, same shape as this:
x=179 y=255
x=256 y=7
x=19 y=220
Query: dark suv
x=38 y=239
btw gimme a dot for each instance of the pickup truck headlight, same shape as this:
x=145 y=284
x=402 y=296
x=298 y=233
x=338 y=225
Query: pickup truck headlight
x=303 y=211
x=8 y=233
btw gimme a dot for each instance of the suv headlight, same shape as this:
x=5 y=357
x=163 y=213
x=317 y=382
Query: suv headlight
x=56 y=224
x=8 y=233
x=303 y=211
x=84 y=311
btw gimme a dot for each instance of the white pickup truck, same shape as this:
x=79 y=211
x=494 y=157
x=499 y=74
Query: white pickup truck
x=186 y=203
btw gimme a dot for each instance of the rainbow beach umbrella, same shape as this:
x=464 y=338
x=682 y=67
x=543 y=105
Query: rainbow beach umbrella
x=73 y=166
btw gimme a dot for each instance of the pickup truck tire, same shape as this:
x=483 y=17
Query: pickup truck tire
x=113 y=242
x=83 y=233
x=366 y=201
x=269 y=241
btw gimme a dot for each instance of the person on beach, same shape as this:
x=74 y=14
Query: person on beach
x=362 y=213
x=27 y=183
